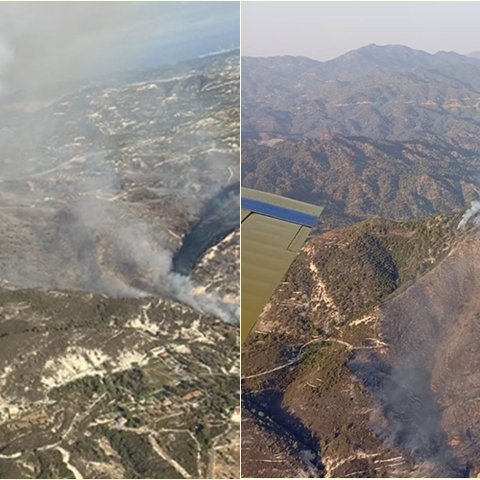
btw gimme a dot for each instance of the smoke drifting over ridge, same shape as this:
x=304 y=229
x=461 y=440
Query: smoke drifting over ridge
x=147 y=252
x=98 y=187
x=44 y=45
x=424 y=382
x=407 y=415
x=148 y=257
x=469 y=214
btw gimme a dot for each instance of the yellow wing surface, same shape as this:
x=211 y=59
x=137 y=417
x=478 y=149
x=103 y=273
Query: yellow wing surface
x=274 y=228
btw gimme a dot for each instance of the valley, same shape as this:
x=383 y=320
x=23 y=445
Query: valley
x=114 y=364
x=363 y=366
x=367 y=345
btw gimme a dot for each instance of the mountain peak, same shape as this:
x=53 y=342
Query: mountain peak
x=475 y=54
x=396 y=56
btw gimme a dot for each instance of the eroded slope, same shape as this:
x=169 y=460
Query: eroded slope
x=370 y=345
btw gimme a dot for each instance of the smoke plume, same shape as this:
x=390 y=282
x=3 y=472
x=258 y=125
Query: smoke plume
x=44 y=45
x=469 y=214
x=101 y=179
x=144 y=249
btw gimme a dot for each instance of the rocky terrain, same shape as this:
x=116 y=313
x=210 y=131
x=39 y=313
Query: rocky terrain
x=105 y=388
x=383 y=92
x=364 y=362
x=357 y=177
x=116 y=364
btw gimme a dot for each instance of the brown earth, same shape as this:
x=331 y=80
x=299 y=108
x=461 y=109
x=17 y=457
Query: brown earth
x=385 y=387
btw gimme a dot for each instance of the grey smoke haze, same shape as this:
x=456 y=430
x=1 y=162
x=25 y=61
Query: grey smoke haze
x=123 y=255
x=60 y=179
x=135 y=242
x=421 y=374
x=184 y=289
x=50 y=43
x=406 y=414
x=325 y=29
x=146 y=251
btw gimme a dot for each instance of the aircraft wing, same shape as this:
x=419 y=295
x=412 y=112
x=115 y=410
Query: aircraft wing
x=273 y=230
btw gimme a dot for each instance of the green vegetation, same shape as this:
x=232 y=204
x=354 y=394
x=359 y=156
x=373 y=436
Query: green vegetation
x=87 y=448
x=315 y=353
x=51 y=465
x=10 y=469
x=138 y=458
x=360 y=267
x=357 y=178
x=374 y=258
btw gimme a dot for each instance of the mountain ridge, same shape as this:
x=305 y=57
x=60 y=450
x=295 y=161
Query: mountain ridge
x=338 y=341
x=357 y=177
x=369 y=49
x=368 y=91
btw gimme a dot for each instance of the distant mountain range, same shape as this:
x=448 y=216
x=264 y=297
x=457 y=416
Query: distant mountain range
x=382 y=130
x=356 y=177
x=363 y=363
x=475 y=54
x=383 y=92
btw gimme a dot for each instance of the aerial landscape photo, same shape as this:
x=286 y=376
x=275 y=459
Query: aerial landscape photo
x=364 y=363
x=119 y=234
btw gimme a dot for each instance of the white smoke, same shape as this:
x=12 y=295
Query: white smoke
x=143 y=248
x=184 y=289
x=45 y=51
x=7 y=56
x=470 y=213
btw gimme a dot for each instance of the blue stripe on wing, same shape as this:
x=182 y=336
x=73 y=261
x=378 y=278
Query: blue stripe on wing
x=281 y=213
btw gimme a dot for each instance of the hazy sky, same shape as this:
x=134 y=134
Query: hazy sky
x=50 y=42
x=324 y=30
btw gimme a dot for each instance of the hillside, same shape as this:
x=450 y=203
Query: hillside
x=103 y=387
x=384 y=92
x=357 y=177
x=99 y=189
x=364 y=362
x=113 y=363
x=375 y=327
